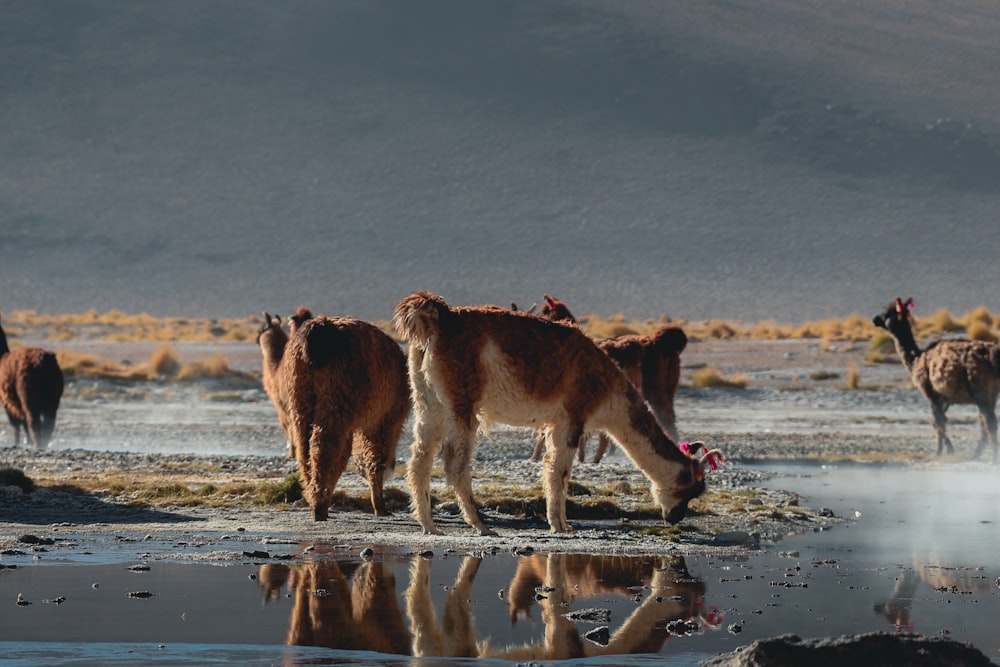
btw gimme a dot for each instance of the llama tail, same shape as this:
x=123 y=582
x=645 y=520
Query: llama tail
x=671 y=340
x=417 y=317
x=325 y=341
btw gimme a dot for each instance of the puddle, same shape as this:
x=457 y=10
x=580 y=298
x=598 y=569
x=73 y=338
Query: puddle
x=918 y=556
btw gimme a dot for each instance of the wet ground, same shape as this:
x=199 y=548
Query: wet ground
x=906 y=561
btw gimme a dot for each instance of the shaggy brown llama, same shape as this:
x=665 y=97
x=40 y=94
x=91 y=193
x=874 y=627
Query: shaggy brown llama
x=651 y=362
x=948 y=372
x=272 y=340
x=344 y=386
x=31 y=386
x=478 y=365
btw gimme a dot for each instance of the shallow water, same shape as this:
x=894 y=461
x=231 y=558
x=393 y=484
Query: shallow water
x=917 y=554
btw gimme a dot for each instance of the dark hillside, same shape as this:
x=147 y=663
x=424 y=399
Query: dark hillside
x=744 y=160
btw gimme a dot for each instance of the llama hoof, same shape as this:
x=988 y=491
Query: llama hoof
x=487 y=532
x=432 y=531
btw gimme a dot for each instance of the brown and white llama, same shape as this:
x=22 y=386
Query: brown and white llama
x=948 y=372
x=272 y=340
x=478 y=365
x=31 y=386
x=651 y=362
x=344 y=386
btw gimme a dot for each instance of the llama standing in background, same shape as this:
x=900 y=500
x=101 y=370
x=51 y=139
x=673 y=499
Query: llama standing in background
x=475 y=366
x=272 y=340
x=652 y=363
x=31 y=386
x=344 y=387
x=948 y=372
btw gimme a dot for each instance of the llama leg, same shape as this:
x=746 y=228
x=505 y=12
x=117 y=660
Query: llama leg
x=603 y=442
x=539 y=446
x=375 y=453
x=32 y=426
x=988 y=426
x=329 y=450
x=427 y=435
x=940 y=424
x=46 y=427
x=372 y=468
x=555 y=477
x=15 y=425
x=458 y=451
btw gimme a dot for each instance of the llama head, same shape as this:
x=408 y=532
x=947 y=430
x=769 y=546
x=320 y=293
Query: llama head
x=269 y=324
x=896 y=316
x=301 y=315
x=690 y=482
x=555 y=310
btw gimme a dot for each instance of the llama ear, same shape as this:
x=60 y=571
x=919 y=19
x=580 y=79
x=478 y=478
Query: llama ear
x=900 y=308
x=691 y=448
x=909 y=303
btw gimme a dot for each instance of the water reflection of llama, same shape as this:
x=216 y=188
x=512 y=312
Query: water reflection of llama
x=944 y=579
x=663 y=587
x=355 y=606
x=350 y=606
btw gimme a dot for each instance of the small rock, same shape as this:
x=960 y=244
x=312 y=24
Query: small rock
x=141 y=595
x=590 y=615
x=600 y=636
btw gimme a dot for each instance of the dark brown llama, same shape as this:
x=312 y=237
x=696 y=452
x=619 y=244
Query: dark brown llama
x=473 y=366
x=948 y=372
x=345 y=388
x=31 y=386
x=651 y=362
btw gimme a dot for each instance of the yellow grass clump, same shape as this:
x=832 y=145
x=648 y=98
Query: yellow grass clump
x=164 y=362
x=853 y=379
x=711 y=377
x=979 y=330
x=215 y=367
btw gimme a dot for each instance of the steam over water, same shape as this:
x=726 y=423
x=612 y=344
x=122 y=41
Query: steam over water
x=748 y=161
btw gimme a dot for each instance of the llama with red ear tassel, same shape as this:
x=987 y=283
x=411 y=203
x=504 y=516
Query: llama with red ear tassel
x=477 y=365
x=948 y=372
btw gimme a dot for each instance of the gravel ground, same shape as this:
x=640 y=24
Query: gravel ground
x=131 y=430
x=99 y=516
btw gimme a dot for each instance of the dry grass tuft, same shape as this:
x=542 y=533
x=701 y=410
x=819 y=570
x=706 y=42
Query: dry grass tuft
x=163 y=362
x=215 y=367
x=853 y=379
x=980 y=330
x=711 y=377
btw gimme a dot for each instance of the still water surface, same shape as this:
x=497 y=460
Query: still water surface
x=918 y=553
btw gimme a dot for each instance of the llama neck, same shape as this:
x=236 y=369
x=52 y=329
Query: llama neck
x=4 y=348
x=273 y=344
x=906 y=345
x=633 y=426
